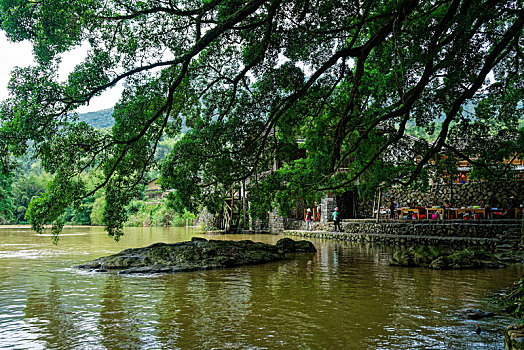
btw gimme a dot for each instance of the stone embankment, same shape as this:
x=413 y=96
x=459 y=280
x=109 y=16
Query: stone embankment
x=198 y=254
x=495 y=193
x=494 y=235
x=512 y=301
x=514 y=337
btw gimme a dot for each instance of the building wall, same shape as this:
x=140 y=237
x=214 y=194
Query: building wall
x=496 y=194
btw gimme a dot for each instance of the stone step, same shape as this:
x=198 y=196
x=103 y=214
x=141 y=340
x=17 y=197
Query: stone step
x=509 y=235
x=506 y=247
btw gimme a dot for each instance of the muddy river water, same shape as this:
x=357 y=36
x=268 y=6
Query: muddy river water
x=345 y=296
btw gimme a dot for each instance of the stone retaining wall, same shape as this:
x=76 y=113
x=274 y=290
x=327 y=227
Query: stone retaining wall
x=403 y=240
x=487 y=234
x=207 y=220
x=495 y=194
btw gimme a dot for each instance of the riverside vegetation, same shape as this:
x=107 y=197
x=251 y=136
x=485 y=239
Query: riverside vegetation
x=30 y=181
x=351 y=104
x=512 y=300
x=159 y=214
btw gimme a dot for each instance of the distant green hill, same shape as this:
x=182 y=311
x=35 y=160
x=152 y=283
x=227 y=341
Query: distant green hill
x=104 y=119
x=100 y=119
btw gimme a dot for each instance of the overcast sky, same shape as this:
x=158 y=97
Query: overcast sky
x=20 y=54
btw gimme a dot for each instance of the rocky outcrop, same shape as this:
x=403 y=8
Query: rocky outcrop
x=475 y=314
x=467 y=259
x=287 y=245
x=197 y=254
x=512 y=300
x=514 y=337
x=441 y=258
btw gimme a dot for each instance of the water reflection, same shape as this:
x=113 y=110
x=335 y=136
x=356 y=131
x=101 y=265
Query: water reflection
x=48 y=317
x=169 y=310
x=207 y=303
x=119 y=328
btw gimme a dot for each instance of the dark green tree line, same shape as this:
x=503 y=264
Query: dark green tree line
x=7 y=207
x=249 y=79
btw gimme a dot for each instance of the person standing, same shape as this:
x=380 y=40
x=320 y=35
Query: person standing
x=392 y=208
x=308 y=219
x=336 y=220
x=512 y=206
x=487 y=209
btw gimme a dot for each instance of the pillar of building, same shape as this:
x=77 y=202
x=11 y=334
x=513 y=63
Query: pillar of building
x=276 y=222
x=328 y=207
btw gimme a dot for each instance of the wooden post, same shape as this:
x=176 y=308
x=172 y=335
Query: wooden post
x=374 y=206
x=244 y=204
x=451 y=196
x=378 y=204
x=232 y=206
x=354 y=195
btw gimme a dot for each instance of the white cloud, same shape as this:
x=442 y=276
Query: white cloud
x=12 y=55
x=21 y=55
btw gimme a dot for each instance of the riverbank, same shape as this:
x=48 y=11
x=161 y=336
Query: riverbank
x=512 y=301
x=492 y=235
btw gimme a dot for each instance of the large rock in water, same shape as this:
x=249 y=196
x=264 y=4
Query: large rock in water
x=198 y=254
x=287 y=245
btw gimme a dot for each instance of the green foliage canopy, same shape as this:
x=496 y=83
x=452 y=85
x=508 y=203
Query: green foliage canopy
x=250 y=78
x=7 y=207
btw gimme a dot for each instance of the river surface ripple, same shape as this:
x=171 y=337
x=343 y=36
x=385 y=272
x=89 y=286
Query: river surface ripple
x=345 y=296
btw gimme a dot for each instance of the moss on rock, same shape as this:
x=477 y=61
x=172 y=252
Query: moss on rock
x=198 y=254
x=514 y=337
x=444 y=258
